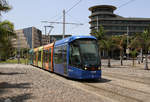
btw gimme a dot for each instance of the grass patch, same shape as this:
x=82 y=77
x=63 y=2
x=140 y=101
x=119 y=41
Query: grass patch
x=15 y=61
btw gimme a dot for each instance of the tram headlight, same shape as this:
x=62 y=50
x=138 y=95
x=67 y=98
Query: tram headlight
x=85 y=68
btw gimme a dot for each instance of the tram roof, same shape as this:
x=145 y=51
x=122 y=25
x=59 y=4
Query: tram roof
x=40 y=48
x=48 y=46
x=72 y=38
x=35 y=49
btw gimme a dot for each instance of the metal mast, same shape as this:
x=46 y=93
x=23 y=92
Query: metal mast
x=64 y=23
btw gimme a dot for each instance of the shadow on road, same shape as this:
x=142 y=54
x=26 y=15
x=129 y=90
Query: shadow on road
x=11 y=73
x=18 y=98
x=5 y=85
x=5 y=89
x=116 y=66
x=102 y=80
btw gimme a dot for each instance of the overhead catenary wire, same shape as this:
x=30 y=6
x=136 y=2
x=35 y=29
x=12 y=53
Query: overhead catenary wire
x=73 y=6
x=130 y=1
x=60 y=16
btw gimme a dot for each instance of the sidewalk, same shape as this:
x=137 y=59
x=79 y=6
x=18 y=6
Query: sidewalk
x=126 y=64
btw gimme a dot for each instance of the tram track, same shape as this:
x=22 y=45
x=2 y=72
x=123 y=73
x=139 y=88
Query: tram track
x=146 y=93
x=127 y=77
x=121 y=92
x=143 y=88
x=110 y=91
x=113 y=95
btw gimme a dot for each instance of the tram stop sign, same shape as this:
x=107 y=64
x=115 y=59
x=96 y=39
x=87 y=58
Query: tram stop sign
x=127 y=51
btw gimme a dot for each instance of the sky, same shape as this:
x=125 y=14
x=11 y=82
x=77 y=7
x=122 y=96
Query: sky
x=28 y=13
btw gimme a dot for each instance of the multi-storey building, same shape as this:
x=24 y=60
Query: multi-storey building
x=28 y=38
x=20 y=41
x=45 y=38
x=114 y=24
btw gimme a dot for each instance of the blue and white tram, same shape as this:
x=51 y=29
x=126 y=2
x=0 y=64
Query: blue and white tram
x=77 y=57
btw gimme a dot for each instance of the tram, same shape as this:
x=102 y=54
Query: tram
x=75 y=57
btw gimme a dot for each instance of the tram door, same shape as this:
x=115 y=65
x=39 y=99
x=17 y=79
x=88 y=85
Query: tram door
x=44 y=59
x=64 y=56
x=50 y=67
x=47 y=59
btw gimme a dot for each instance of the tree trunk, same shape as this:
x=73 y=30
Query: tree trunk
x=141 y=52
x=146 y=63
x=112 y=54
x=133 y=61
x=121 y=59
x=109 y=65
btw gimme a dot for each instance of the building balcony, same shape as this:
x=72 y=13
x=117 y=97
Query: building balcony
x=111 y=25
x=101 y=13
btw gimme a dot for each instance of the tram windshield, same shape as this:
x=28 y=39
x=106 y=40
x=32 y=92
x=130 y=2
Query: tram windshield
x=85 y=51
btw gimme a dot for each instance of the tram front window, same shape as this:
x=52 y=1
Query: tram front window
x=89 y=52
x=84 y=52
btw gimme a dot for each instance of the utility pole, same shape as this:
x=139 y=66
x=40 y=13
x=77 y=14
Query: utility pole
x=64 y=23
x=97 y=23
x=48 y=32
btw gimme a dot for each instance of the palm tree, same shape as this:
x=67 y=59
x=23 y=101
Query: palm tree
x=143 y=41
x=121 y=44
x=6 y=33
x=145 y=38
x=135 y=46
x=4 y=7
x=100 y=35
x=109 y=46
x=133 y=54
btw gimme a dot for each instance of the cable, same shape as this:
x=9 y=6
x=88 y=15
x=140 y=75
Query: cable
x=126 y=3
x=67 y=10
x=73 y=6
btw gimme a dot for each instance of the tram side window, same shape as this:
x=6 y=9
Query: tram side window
x=46 y=55
x=58 y=55
x=64 y=53
x=50 y=55
x=74 y=57
x=43 y=55
x=39 y=56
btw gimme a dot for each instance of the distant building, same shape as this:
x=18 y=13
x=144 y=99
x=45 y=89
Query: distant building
x=28 y=38
x=114 y=24
x=45 y=38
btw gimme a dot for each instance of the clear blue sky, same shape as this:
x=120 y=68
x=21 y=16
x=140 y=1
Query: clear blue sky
x=27 y=13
